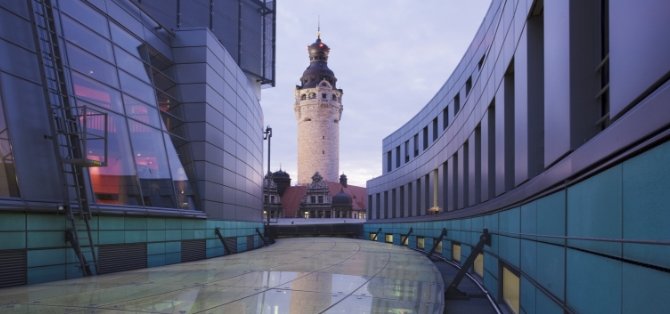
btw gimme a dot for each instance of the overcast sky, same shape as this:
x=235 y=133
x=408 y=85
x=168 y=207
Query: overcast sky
x=390 y=58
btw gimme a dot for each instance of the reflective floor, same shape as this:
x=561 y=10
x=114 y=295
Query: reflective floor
x=299 y=275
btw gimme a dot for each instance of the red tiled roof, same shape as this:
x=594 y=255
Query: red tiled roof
x=294 y=195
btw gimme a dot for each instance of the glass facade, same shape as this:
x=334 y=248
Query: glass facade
x=120 y=78
x=8 y=183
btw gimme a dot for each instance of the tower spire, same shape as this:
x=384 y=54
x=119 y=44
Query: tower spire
x=318 y=26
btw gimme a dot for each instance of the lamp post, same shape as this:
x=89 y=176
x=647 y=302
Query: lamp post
x=267 y=135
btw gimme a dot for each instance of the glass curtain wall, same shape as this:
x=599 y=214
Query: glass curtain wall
x=8 y=182
x=114 y=72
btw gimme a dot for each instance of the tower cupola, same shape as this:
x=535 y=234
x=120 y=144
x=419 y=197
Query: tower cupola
x=317 y=70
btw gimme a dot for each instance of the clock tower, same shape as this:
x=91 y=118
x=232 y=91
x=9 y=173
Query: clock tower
x=318 y=109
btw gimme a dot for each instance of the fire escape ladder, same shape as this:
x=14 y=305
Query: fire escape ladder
x=69 y=133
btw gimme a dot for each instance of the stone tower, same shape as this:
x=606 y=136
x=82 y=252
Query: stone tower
x=318 y=109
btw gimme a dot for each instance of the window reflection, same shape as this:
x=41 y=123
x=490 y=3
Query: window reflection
x=8 y=183
x=185 y=199
x=128 y=42
x=115 y=183
x=137 y=88
x=131 y=64
x=141 y=111
x=87 y=39
x=91 y=66
x=95 y=93
x=81 y=11
x=152 y=165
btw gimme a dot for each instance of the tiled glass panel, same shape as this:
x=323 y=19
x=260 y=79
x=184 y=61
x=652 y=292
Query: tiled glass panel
x=592 y=283
x=137 y=88
x=128 y=42
x=388 y=238
x=92 y=92
x=131 y=64
x=87 y=39
x=8 y=179
x=141 y=112
x=594 y=210
x=152 y=165
x=645 y=205
x=91 y=66
x=551 y=268
x=653 y=298
x=115 y=183
x=183 y=190
x=79 y=10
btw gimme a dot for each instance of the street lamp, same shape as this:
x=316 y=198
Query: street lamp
x=267 y=135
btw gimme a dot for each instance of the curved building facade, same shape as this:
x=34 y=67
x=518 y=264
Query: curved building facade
x=129 y=139
x=552 y=134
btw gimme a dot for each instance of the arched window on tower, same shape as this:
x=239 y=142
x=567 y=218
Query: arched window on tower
x=312 y=95
x=303 y=97
x=334 y=97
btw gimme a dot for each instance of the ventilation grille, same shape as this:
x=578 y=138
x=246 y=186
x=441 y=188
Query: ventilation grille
x=121 y=257
x=250 y=242
x=193 y=250
x=12 y=268
x=231 y=243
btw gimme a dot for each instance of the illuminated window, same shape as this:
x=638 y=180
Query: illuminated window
x=403 y=239
x=438 y=249
x=373 y=236
x=510 y=289
x=388 y=238
x=456 y=252
x=479 y=265
x=420 y=243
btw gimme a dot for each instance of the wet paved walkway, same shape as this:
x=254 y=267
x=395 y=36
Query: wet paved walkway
x=299 y=275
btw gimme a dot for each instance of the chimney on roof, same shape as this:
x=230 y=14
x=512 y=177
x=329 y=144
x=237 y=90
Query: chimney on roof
x=343 y=180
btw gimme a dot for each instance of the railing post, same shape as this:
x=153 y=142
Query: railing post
x=436 y=241
x=452 y=291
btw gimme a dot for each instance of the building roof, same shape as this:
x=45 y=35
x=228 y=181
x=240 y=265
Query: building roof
x=294 y=194
x=317 y=70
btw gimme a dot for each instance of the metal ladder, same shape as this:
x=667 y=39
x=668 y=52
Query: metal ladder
x=69 y=134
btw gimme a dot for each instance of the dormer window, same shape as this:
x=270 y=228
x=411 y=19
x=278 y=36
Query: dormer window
x=323 y=96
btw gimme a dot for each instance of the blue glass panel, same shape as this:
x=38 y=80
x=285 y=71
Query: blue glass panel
x=182 y=185
x=87 y=39
x=593 y=282
x=645 y=290
x=92 y=92
x=646 y=183
x=594 y=210
x=141 y=112
x=79 y=10
x=137 y=88
x=131 y=64
x=91 y=66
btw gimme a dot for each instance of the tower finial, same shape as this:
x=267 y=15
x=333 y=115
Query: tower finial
x=318 y=26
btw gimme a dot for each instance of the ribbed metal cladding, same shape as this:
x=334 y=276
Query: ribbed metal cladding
x=250 y=242
x=193 y=250
x=121 y=257
x=13 y=268
x=231 y=242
